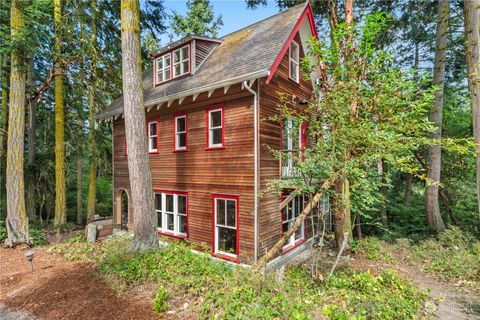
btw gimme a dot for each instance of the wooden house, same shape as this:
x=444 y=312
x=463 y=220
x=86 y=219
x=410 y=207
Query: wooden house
x=208 y=105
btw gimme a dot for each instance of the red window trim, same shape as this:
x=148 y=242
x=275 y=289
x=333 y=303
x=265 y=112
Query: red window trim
x=289 y=51
x=235 y=259
x=148 y=136
x=175 y=116
x=170 y=52
x=169 y=234
x=296 y=243
x=215 y=107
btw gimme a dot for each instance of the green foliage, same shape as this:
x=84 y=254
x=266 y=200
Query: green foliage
x=366 y=296
x=37 y=236
x=160 y=302
x=74 y=251
x=200 y=20
x=217 y=290
x=373 y=249
x=453 y=255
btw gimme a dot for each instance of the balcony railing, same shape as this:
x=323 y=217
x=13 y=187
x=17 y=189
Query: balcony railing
x=287 y=163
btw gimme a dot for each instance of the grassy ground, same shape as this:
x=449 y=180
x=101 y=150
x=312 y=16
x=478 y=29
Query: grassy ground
x=181 y=281
x=451 y=257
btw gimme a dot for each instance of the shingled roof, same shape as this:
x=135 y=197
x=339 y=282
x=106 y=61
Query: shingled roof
x=242 y=55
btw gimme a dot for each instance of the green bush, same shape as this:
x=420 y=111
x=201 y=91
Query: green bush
x=373 y=249
x=160 y=302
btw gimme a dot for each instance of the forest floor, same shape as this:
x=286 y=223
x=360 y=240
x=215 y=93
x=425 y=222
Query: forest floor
x=60 y=289
x=63 y=289
x=454 y=302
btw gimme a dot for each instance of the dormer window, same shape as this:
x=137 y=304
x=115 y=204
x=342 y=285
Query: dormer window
x=181 y=61
x=163 y=68
x=294 y=61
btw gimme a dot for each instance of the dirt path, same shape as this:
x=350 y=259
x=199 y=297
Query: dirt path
x=453 y=303
x=60 y=289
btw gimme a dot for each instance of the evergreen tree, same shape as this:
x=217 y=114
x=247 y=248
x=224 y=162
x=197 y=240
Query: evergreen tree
x=200 y=20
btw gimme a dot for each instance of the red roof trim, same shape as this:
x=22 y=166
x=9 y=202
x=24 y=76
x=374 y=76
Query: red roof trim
x=306 y=13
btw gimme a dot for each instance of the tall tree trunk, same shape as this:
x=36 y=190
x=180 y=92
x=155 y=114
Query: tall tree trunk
x=384 y=191
x=60 y=197
x=79 y=190
x=17 y=222
x=407 y=196
x=3 y=130
x=91 y=120
x=434 y=219
x=31 y=176
x=471 y=9
x=145 y=221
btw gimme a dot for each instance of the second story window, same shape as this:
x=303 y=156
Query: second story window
x=181 y=61
x=181 y=126
x=152 y=137
x=294 y=62
x=163 y=68
x=215 y=130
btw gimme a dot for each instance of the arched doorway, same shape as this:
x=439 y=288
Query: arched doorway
x=122 y=209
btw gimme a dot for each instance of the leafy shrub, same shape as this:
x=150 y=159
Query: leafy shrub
x=160 y=302
x=373 y=249
x=3 y=232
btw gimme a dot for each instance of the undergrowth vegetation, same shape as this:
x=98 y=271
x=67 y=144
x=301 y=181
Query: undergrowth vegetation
x=37 y=236
x=451 y=256
x=215 y=289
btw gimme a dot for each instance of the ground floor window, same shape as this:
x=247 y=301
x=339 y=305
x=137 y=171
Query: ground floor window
x=171 y=209
x=225 y=217
x=289 y=213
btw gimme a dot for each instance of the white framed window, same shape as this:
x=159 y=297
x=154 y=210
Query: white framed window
x=294 y=62
x=288 y=214
x=152 y=136
x=163 y=68
x=226 y=225
x=181 y=127
x=215 y=132
x=181 y=61
x=292 y=144
x=171 y=209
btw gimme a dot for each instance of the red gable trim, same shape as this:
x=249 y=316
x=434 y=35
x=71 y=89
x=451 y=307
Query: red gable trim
x=306 y=13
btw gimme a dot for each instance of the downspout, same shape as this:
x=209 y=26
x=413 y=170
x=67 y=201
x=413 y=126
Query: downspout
x=255 y=169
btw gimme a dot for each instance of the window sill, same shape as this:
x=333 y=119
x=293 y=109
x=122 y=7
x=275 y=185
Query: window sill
x=296 y=81
x=181 y=150
x=214 y=148
x=168 y=234
x=153 y=152
x=226 y=257
x=290 y=248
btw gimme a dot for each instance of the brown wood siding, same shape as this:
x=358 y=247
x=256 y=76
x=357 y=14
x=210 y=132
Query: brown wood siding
x=202 y=172
x=269 y=208
x=202 y=50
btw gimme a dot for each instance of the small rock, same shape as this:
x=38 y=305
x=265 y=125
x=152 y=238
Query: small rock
x=185 y=305
x=430 y=307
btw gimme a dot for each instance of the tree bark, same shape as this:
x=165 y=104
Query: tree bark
x=17 y=224
x=144 y=219
x=60 y=196
x=434 y=218
x=91 y=120
x=79 y=190
x=31 y=176
x=407 y=196
x=384 y=191
x=3 y=130
x=471 y=9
